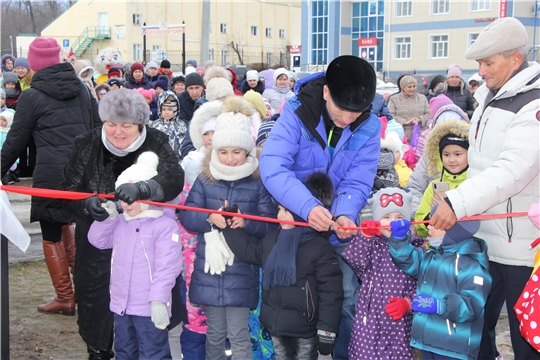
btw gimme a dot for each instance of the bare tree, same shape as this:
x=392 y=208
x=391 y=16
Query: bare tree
x=236 y=43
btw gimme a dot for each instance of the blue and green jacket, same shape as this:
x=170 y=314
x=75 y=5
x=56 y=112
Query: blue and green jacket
x=301 y=143
x=458 y=275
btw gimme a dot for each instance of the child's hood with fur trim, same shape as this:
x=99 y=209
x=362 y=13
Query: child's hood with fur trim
x=207 y=111
x=431 y=150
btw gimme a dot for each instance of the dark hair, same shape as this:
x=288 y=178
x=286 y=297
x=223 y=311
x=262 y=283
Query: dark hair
x=436 y=81
x=474 y=83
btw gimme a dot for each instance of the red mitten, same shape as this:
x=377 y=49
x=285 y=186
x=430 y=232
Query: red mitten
x=398 y=307
x=371 y=228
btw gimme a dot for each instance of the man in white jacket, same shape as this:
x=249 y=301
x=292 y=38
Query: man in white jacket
x=503 y=174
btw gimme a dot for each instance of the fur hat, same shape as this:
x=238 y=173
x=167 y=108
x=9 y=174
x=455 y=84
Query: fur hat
x=136 y=66
x=10 y=77
x=165 y=64
x=103 y=86
x=321 y=187
x=43 y=52
x=124 y=106
x=194 y=79
x=264 y=132
x=389 y=200
x=393 y=143
x=501 y=35
x=279 y=72
x=215 y=72
x=453 y=70
x=202 y=121
x=114 y=71
x=218 y=88
x=352 y=82
x=257 y=100
x=21 y=61
x=8 y=115
x=192 y=63
x=252 y=75
x=233 y=127
x=151 y=64
x=178 y=79
x=431 y=149
x=438 y=79
x=462 y=230
x=162 y=84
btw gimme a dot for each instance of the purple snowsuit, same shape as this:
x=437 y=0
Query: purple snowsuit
x=375 y=334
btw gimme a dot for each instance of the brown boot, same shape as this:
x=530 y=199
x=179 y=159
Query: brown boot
x=68 y=238
x=55 y=257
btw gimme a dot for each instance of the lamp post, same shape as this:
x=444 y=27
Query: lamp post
x=11 y=42
x=535 y=13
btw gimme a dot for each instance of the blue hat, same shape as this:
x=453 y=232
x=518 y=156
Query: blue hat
x=192 y=63
x=21 y=61
x=162 y=84
x=264 y=132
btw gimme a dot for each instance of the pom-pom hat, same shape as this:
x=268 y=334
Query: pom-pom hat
x=218 y=88
x=352 y=83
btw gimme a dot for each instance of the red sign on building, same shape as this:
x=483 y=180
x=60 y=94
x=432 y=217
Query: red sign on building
x=367 y=42
x=295 y=49
x=502 y=12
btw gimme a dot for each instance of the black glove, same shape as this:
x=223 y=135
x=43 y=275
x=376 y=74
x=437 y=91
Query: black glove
x=132 y=192
x=230 y=209
x=326 y=343
x=92 y=207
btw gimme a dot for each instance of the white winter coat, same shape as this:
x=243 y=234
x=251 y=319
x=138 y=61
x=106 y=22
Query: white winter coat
x=504 y=167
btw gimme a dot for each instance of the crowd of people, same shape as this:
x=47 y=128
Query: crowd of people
x=325 y=150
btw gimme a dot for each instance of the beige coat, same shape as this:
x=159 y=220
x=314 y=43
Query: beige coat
x=403 y=108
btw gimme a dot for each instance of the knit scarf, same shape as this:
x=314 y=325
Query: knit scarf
x=123 y=152
x=280 y=267
x=11 y=93
x=232 y=173
x=152 y=213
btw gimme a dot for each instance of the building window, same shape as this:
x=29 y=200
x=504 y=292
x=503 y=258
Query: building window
x=438 y=46
x=402 y=47
x=224 y=57
x=368 y=22
x=268 y=32
x=137 y=19
x=319 y=32
x=210 y=54
x=137 y=52
x=223 y=28
x=270 y=58
x=254 y=31
x=440 y=7
x=471 y=39
x=480 y=5
x=282 y=33
x=403 y=8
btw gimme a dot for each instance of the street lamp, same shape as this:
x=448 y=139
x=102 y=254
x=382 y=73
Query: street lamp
x=11 y=42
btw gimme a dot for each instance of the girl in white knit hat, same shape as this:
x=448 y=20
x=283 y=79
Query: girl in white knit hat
x=230 y=179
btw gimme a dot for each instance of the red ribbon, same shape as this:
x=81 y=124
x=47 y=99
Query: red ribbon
x=71 y=195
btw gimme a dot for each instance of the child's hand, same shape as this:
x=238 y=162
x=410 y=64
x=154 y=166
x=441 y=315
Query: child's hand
x=111 y=209
x=159 y=314
x=237 y=222
x=427 y=304
x=398 y=307
x=400 y=228
x=372 y=228
x=218 y=220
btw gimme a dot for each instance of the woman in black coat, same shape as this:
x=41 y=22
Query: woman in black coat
x=96 y=161
x=456 y=89
x=56 y=109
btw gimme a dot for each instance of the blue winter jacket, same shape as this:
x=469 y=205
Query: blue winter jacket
x=239 y=284
x=297 y=147
x=380 y=107
x=458 y=275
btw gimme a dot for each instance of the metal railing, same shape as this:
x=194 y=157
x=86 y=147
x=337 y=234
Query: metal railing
x=88 y=35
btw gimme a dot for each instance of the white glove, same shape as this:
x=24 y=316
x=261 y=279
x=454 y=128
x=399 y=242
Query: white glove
x=216 y=253
x=160 y=316
x=230 y=262
x=192 y=166
x=111 y=209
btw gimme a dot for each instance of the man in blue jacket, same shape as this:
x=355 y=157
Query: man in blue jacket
x=328 y=127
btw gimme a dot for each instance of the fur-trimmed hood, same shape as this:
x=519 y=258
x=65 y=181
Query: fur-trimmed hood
x=205 y=166
x=206 y=111
x=81 y=66
x=431 y=150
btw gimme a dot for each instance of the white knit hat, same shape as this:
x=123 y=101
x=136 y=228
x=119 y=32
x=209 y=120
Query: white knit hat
x=8 y=115
x=233 y=130
x=218 y=88
x=144 y=169
x=252 y=75
x=279 y=72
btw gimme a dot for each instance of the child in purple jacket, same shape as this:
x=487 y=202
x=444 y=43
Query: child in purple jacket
x=146 y=260
x=382 y=325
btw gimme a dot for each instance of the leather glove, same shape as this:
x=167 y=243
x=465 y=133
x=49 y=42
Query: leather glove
x=326 y=342
x=398 y=307
x=400 y=228
x=92 y=207
x=372 y=228
x=111 y=209
x=160 y=316
x=132 y=192
x=427 y=304
x=216 y=254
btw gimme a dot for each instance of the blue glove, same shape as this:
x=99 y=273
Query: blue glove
x=400 y=228
x=426 y=304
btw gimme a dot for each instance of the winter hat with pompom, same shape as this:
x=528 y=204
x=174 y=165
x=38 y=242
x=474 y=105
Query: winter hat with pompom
x=43 y=52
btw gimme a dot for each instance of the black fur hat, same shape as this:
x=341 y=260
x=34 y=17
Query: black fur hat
x=352 y=83
x=320 y=186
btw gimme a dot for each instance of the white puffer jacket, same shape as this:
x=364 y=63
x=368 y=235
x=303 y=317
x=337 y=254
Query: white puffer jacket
x=503 y=173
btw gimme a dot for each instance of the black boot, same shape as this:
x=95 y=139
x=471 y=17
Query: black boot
x=95 y=354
